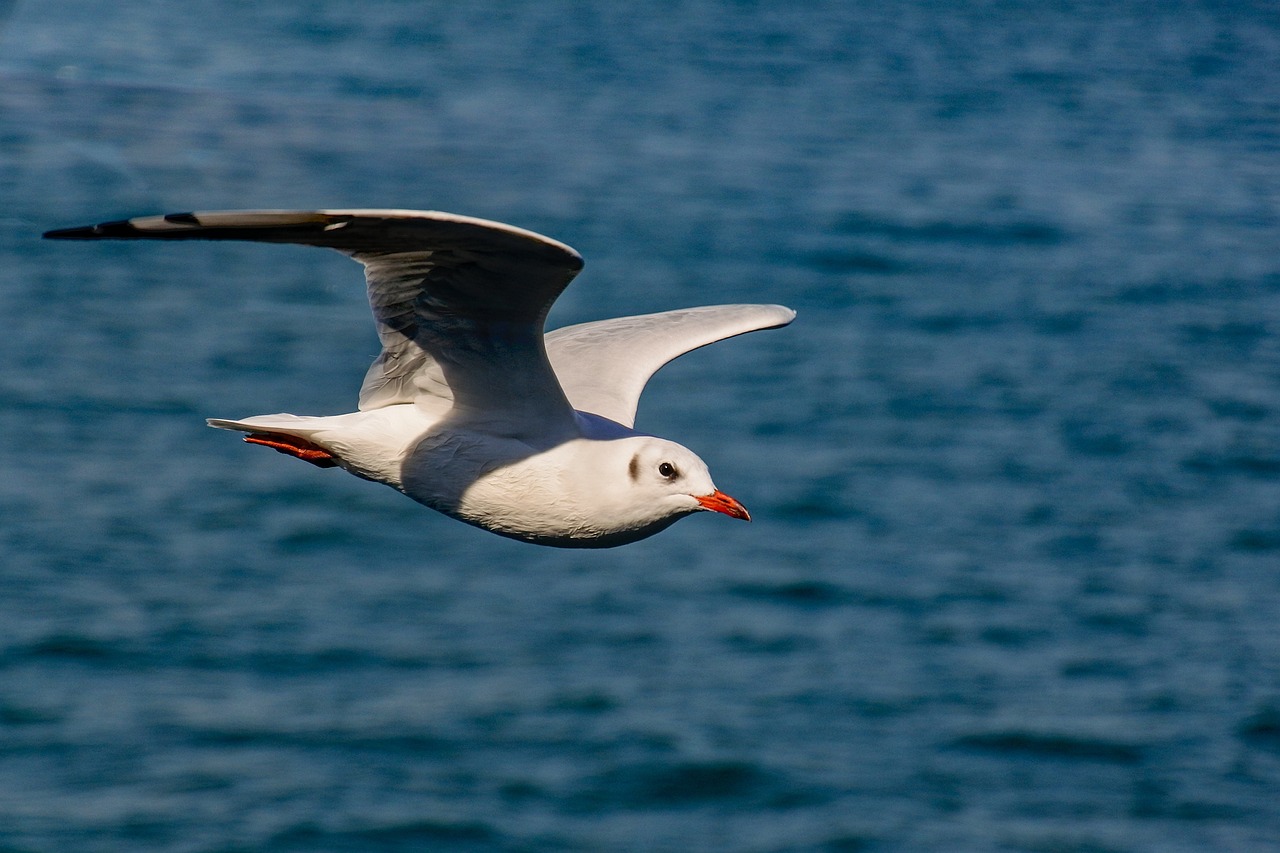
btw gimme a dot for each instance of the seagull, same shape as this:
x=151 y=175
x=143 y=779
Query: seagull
x=470 y=409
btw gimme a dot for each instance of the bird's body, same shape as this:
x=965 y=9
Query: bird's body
x=469 y=409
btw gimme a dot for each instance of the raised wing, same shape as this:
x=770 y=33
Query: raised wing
x=459 y=302
x=603 y=366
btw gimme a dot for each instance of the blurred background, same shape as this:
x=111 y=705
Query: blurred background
x=1014 y=578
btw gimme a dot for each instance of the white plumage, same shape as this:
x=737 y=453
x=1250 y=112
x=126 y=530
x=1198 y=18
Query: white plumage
x=469 y=409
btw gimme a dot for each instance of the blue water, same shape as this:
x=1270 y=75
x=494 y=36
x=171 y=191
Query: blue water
x=1014 y=578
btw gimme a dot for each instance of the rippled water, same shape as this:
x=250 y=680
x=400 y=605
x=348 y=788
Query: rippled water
x=1014 y=578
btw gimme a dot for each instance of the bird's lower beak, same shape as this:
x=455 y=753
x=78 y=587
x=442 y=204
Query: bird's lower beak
x=718 y=501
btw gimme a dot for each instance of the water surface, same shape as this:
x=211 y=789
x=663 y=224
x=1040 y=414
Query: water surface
x=1014 y=578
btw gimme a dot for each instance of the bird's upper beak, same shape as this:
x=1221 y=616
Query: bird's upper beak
x=718 y=501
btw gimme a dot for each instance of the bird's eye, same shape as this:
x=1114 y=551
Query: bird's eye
x=666 y=469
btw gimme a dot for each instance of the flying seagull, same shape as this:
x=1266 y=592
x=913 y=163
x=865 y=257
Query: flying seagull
x=470 y=409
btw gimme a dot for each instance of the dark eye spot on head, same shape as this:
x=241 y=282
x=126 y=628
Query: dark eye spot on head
x=634 y=468
x=666 y=469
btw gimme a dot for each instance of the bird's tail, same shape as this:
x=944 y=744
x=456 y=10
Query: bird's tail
x=288 y=434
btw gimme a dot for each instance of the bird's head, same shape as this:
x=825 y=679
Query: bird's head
x=659 y=481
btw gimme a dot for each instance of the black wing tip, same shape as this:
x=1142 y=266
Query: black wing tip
x=120 y=229
x=102 y=231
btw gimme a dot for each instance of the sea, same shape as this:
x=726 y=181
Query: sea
x=1013 y=578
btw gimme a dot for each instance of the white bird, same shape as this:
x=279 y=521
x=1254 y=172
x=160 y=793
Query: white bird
x=469 y=409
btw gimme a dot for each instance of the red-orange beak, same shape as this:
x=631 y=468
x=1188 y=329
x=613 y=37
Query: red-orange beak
x=718 y=501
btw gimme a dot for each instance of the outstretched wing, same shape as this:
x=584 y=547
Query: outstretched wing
x=603 y=366
x=459 y=302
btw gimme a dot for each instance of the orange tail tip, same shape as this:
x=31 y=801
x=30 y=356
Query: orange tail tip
x=294 y=446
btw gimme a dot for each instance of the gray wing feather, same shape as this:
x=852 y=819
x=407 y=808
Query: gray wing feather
x=603 y=366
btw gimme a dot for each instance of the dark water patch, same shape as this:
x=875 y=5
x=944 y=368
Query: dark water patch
x=313 y=539
x=941 y=634
x=1012 y=636
x=1097 y=668
x=1127 y=622
x=589 y=702
x=332 y=660
x=1060 y=842
x=1039 y=515
x=409 y=835
x=1261 y=729
x=1163 y=702
x=681 y=784
x=936 y=403
x=1260 y=465
x=807 y=594
x=1206 y=810
x=944 y=790
x=849 y=844
x=844 y=842
x=1238 y=409
x=1024 y=233
x=1048 y=81
x=76 y=647
x=882 y=708
x=1166 y=291
x=1241 y=337
x=14 y=714
x=1150 y=378
x=769 y=645
x=952 y=323
x=351 y=659
x=974 y=590
x=199 y=782
x=1061 y=323
x=1052 y=745
x=392 y=743
x=1153 y=799
x=1075 y=545
x=522 y=791
x=1094 y=438
x=855 y=262
x=108 y=407
x=818 y=502
x=356 y=88
x=614 y=636
x=1255 y=540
